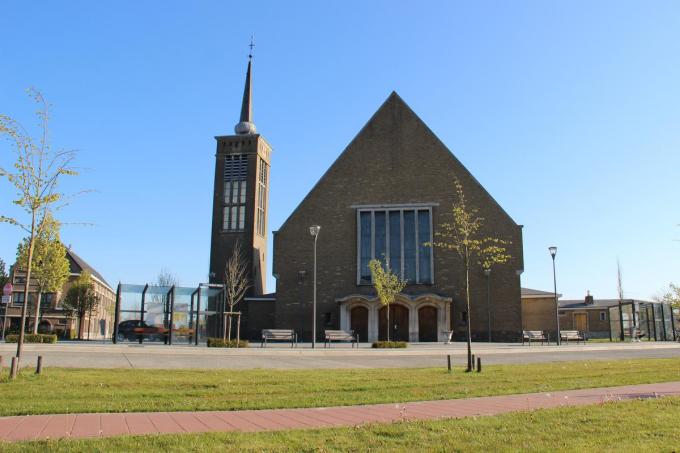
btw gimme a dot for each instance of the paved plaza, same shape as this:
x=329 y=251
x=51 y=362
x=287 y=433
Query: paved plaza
x=35 y=427
x=281 y=356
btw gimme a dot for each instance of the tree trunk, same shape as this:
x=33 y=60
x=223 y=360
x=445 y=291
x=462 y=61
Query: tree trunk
x=22 y=325
x=81 y=319
x=36 y=315
x=229 y=324
x=388 y=322
x=467 y=297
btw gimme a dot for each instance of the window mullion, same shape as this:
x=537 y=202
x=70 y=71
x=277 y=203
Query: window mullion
x=372 y=235
x=401 y=226
x=387 y=239
x=417 y=242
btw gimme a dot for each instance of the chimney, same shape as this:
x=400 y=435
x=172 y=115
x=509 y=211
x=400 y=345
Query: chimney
x=589 y=299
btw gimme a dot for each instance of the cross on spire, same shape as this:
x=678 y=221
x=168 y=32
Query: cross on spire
x=246 y=126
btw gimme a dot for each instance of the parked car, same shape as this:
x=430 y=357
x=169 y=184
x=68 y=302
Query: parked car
x=133 y=329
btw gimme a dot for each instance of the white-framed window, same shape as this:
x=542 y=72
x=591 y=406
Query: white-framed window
x=261 y=198
x=397 y=236
x=235 y=189
x=603 y=316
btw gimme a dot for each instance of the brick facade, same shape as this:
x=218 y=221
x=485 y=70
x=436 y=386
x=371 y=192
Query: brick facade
x=394 y=160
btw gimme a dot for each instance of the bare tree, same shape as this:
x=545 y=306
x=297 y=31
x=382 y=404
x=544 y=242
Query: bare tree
x=619 y=289
x=166 y=278
x=37 y=172
x=236 y=281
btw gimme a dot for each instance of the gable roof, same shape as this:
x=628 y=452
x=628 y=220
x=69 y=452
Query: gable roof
x=393 y=100
x=535 y=293
x=78 y=265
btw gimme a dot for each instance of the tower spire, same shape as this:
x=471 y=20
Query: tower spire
x=246 y=125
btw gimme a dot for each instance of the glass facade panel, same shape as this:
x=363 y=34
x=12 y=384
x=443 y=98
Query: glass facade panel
x=380 y=237
x=667 y=320
x=397 y=236
x=365 y=245
x=615 y=323
x=627 y=318
x=643 y=322
x=241 y=217
x=409 y=246
x=423 y=250
x=395 y=241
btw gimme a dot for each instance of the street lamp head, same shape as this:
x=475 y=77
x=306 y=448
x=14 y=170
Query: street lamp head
x=487 y=271
x=553 y=251
x=314 y=230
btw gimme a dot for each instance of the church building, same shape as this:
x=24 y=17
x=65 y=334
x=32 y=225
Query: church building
x=385 y=197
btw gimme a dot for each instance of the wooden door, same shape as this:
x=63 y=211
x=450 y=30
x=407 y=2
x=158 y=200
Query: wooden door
x=427 y=324
x=581 y=322
x=359 y=322
x=398 y=323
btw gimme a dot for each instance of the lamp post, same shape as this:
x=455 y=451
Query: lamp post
x=487 y=274
x=553 y=252
x=314 y=231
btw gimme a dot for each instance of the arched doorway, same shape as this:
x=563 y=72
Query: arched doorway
x=427 y=323
x=398 y=323
x=44 y=327
x=359 y=322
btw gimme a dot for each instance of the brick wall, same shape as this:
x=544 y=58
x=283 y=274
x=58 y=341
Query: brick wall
x=397 y=160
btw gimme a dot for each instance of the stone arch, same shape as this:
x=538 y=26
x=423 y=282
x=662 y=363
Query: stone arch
x=45 y=326
x=359 y=320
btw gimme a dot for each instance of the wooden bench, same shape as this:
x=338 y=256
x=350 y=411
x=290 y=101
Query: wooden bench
x=340 y=335
x=566 y=335
x=278 y=334
x=534 y=335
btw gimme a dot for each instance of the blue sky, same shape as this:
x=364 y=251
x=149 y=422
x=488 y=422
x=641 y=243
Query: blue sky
x=567 y=112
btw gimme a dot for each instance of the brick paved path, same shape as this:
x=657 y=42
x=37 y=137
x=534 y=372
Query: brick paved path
x=34 y=427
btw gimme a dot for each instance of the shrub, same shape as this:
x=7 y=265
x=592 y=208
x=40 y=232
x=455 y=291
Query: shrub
x=389 y=344
x=49 y=338
x=220 y=343
x=32 y=338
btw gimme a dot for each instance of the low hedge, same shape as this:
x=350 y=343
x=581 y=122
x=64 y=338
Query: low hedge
x=220 y=343
x=32 y=338
x=389 y=344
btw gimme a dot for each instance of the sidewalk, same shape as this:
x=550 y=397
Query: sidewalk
x=78 y=426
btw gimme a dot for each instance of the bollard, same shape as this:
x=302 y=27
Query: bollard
x=38 y=367
x=1 y=364
x=479 y=364
x=448 y=362
x=472 y=365
x=13 y=371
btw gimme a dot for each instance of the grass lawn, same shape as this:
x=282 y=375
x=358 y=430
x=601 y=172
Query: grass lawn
x=631 y=426
x=63 y=390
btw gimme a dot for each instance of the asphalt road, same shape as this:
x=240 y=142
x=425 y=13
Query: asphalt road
x=159 y=357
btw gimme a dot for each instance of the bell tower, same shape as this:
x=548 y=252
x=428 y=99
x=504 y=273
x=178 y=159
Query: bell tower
x=240 y=197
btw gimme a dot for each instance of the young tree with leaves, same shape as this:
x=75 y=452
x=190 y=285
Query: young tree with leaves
x=671 y=296
x=387 y=285
x=463 y=235
x=236 y=281
x=80 y=300
x=37 y=172
x=4 y=277
x=50 y=265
